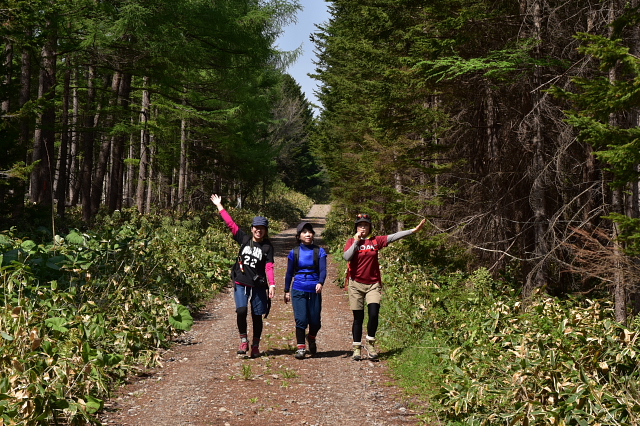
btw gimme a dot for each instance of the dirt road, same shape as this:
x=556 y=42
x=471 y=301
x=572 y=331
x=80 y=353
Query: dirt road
x=203 y=382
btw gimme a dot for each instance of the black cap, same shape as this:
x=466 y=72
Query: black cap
x=260 y=221
x=363 y=217
x=303 y=225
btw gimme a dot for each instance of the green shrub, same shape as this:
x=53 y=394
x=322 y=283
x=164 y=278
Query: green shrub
x=558 y=362
x=82 y=311
x=284 y=208
x=467 y=344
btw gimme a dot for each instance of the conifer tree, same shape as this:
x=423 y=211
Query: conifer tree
x=377 y=133
x=211 y=68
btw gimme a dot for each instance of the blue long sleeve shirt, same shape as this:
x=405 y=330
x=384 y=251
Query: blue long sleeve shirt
x=307 y=277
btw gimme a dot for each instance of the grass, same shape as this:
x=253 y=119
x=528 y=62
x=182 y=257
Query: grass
x=289 y=374
x=420 y=370
x=247 y=372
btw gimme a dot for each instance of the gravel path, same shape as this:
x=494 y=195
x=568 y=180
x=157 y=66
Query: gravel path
x=204 y=382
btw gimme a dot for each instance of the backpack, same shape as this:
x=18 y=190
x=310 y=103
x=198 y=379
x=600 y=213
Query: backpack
x=316 y=259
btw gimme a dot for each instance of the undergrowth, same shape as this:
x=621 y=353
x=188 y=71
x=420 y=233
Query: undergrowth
x=466 y=346
x=478 y=355
x=85 y=308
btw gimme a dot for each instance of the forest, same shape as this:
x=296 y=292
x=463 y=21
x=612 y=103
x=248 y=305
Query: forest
x=147 y=104
x=512 y=126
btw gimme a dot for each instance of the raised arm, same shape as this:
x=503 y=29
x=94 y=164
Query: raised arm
x=217 y=200
x=398 y=235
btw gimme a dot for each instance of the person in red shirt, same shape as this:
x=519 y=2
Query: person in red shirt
x=364 y=280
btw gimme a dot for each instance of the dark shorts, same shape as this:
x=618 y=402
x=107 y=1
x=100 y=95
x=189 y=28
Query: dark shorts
x=257 y=296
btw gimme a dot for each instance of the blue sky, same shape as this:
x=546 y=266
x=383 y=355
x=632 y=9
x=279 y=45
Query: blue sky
x=296 y=35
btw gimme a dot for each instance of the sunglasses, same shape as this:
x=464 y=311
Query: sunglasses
x=362 y=216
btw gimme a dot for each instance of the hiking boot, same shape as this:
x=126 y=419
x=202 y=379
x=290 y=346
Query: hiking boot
x=357 y=352
x=370 y=346
x=244 y=347
x=300 y=353
x=313 y=348
x=255 y=351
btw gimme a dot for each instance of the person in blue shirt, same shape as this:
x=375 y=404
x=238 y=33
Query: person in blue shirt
x=307 y=268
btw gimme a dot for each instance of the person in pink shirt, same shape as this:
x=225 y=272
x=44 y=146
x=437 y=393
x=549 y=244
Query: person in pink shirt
x=253 y=276
x=364 y=280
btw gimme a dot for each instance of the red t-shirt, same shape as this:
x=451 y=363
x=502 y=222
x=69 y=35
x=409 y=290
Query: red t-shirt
x=364 y=266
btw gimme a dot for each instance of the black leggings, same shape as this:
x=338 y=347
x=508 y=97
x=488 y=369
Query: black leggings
x=242 y=323
x=372 y=325
x=301 y=333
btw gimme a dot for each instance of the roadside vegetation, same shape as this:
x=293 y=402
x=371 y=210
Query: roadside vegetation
x=512 y=127
x=85 y=309
x=473 y=352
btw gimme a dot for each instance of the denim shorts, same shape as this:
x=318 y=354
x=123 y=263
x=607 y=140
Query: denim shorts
x=258 y=297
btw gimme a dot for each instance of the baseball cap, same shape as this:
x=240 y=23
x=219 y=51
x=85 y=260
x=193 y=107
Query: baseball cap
x=303 y=225
x=363 y=217
x=260 y=221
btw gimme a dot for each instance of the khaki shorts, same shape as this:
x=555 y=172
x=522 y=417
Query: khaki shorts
x=359 y=293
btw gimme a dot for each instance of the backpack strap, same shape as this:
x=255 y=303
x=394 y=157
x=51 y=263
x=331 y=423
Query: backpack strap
x=237 y=267
x=296 y=259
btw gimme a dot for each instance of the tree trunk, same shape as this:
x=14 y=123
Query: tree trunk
x=44 y=140
x=634 y=208
x=617 y=205
x=8 y=66
x=105 y=148
x=182 y=174
x=591 y=178
x=5 y=105
x=398 y=185
x=25 y=128
x=537 y=198
x=130 y=176
x=173 y=182
x=62 y=182
x=117 y=170
x=144 y=147
x=74 y=169
x=87 y=144
x=619 y=284
x=150 y=176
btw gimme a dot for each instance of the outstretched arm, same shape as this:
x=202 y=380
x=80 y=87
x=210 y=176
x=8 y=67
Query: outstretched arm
x=217 y=200
x=398 y=235
x=420 y=226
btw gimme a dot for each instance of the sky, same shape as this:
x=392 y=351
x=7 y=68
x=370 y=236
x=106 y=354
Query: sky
x=296 y=35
